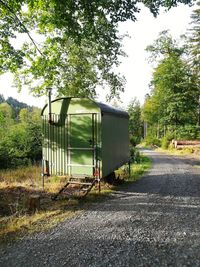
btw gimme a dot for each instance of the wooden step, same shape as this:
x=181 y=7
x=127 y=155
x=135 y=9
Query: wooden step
x=84 y=189
x=79 y=183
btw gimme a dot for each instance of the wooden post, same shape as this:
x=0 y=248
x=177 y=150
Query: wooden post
x=99 y=185
x=33 y=203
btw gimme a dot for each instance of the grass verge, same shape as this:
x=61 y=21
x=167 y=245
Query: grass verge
x=138 y=169
x=16 y=186
x=181 y=152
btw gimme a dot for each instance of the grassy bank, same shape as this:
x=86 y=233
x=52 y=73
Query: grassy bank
x=16 y=186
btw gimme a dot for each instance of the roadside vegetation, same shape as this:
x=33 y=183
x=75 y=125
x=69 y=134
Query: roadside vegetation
x=171 y=110
x=18 y=185
x=20 y=134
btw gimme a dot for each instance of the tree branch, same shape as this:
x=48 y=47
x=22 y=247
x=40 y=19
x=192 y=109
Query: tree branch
x=22 y=26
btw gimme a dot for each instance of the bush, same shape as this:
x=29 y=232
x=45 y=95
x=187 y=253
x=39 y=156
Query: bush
x=166 y=140
x=134 y=154
x=134 y=140
x=188 y=132
x=20 y=146
x=165 y=143
x=171 y=146
x=152 y=140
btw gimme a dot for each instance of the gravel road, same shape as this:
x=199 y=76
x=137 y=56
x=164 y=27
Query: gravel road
x=155 y=222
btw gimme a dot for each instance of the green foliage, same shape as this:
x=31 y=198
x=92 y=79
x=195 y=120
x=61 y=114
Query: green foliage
x=135 y=122
x=174 y=94
x=80 y=46
x=194 y=41
x=6 y=117
x=139 y=168
x=188 y=132
x=172 y=108
x=164 y=143
x=16 y=105
x=134 y=154
x=6 y=110
x=193 y=37
x=151 y=140
x=20 y=141
x=134 y=140
x=166 y=140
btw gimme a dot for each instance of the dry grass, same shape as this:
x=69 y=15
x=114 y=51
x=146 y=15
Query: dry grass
x=17 y=225
x=16 y=186
x=195 y=152
x=27 y=175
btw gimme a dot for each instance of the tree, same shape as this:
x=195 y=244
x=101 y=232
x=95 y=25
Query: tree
x=194 y=48
x=135 y=122
x=2 y=99
x=194 y=41
x=174 y=95
x=81 y=43
x=7 y=112
x=20 y=138
x=6 y=118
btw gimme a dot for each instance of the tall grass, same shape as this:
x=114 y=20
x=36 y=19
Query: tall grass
x=30 y=175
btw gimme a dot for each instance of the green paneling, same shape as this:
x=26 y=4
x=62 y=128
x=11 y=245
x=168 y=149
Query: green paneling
x=81 y=158
x=81 y=130
x=55 y=144
x=115 y=143
x=81 y=140
x=68 y=142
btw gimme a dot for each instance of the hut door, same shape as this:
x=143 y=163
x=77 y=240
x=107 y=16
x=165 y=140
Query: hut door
x=81 y=144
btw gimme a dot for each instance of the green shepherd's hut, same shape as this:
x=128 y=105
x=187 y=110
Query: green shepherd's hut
x=83 y=138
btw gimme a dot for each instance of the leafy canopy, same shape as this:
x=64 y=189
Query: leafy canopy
x=20 y=134
x=194 y=42
x=174 y=96
x=135 y=121
x=81 y=44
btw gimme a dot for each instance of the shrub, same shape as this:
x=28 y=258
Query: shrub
x=134 y=140
x=165 y=143
x=152 y=140
x=134 y=154
x=188 y=132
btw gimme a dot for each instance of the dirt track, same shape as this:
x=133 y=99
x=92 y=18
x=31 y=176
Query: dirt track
x=155 y=222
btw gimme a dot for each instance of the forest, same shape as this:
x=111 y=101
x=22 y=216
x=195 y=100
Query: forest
x=171 y=110
x=20 y=134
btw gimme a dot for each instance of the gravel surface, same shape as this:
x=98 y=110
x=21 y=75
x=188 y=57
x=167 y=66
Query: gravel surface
x=155 y=222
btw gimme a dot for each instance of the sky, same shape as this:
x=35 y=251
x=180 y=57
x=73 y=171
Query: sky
x=135 y=66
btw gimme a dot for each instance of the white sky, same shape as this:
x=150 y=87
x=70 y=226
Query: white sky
x=135 y=67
